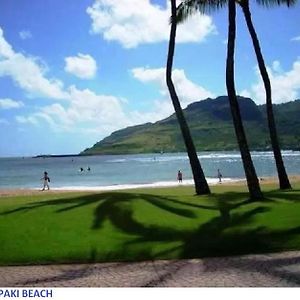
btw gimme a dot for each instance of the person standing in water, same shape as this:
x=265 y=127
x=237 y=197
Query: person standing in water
x=46 y=181
x=219 y=176
x=179 y=176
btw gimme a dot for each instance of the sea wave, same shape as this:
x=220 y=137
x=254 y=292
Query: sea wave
x=167 y=157
x=117 y=160
x=188 y=182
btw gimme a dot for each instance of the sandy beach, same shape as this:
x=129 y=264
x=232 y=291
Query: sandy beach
x=26 y=192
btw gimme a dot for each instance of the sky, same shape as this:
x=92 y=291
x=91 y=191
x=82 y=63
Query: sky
x=72 y=72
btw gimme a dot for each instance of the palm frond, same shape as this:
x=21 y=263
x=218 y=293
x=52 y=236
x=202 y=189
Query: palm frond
x=190 y=7
x=269 y=3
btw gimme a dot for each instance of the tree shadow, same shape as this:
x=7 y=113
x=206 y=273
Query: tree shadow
x=65 y=204
x=283 y=195
x=274 y=266
x=229 y=231
x=69 y=273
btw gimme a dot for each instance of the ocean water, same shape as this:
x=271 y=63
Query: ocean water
x=126 y=171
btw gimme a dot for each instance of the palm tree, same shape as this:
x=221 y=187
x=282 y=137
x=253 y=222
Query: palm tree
x=282 y=175
x=252 y=181
x=204 y=5
x=201 y=185
x=190 y=6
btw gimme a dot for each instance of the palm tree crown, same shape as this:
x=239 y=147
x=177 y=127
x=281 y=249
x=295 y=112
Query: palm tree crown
x=189 y=7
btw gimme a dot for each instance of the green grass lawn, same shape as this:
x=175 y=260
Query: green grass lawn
x=146 y=224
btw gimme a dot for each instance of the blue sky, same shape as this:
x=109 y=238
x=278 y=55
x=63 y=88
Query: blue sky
x=71 y=72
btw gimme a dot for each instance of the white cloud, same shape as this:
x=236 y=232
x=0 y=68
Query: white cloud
x=162 y=108
x=276 y=66
x=6 y=50
x=25 y=34
x=187 y=90
x=86 y=110
x=28 y=73
x=245 y=93
x=83 y=66
x=285 y=84
x=25 y=120
x=91 y=112
x=9 y=103
x=296 y=39
x=135 y=22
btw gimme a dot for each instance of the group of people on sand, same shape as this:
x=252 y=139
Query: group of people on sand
x=46 y=178
x=180 y=176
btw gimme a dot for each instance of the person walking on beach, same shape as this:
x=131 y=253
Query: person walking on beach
x=179 y=176
x=46 y=181
x=219 y=176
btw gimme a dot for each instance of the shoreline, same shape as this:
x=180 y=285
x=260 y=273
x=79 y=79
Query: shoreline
x=167 y=184
x=117 y=187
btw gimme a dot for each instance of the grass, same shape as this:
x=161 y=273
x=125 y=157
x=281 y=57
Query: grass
x=146 y=224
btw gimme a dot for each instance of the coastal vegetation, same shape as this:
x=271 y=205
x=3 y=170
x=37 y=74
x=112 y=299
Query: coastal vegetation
x=142 y=224
x=211 y=128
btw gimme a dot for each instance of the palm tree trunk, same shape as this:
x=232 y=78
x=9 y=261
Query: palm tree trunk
x=282 y=175
x=252 y=181
x=201 y=185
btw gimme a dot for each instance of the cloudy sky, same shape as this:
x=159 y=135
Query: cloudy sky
x=71 y=72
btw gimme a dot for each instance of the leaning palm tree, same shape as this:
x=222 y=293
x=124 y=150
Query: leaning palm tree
x=252 y=180
x=189 y=6
x=284 y=182
x=184 y=10
x=201 y=185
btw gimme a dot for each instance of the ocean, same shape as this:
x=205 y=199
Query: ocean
x=108 y=172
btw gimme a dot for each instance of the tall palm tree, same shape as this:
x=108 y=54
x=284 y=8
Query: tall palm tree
x=252 y=180
x=190 y=6
x=204 y=5
x=284 y=182
x=201 y=185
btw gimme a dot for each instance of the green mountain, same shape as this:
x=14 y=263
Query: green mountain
x=211 y=127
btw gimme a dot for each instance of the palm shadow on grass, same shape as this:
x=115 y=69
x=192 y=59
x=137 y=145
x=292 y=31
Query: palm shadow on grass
x=230 y=231
x=290 y=195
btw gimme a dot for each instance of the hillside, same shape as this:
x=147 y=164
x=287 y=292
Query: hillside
x=211 y=126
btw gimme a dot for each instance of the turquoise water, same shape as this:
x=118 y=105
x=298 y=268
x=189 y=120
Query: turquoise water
x=130 y=170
